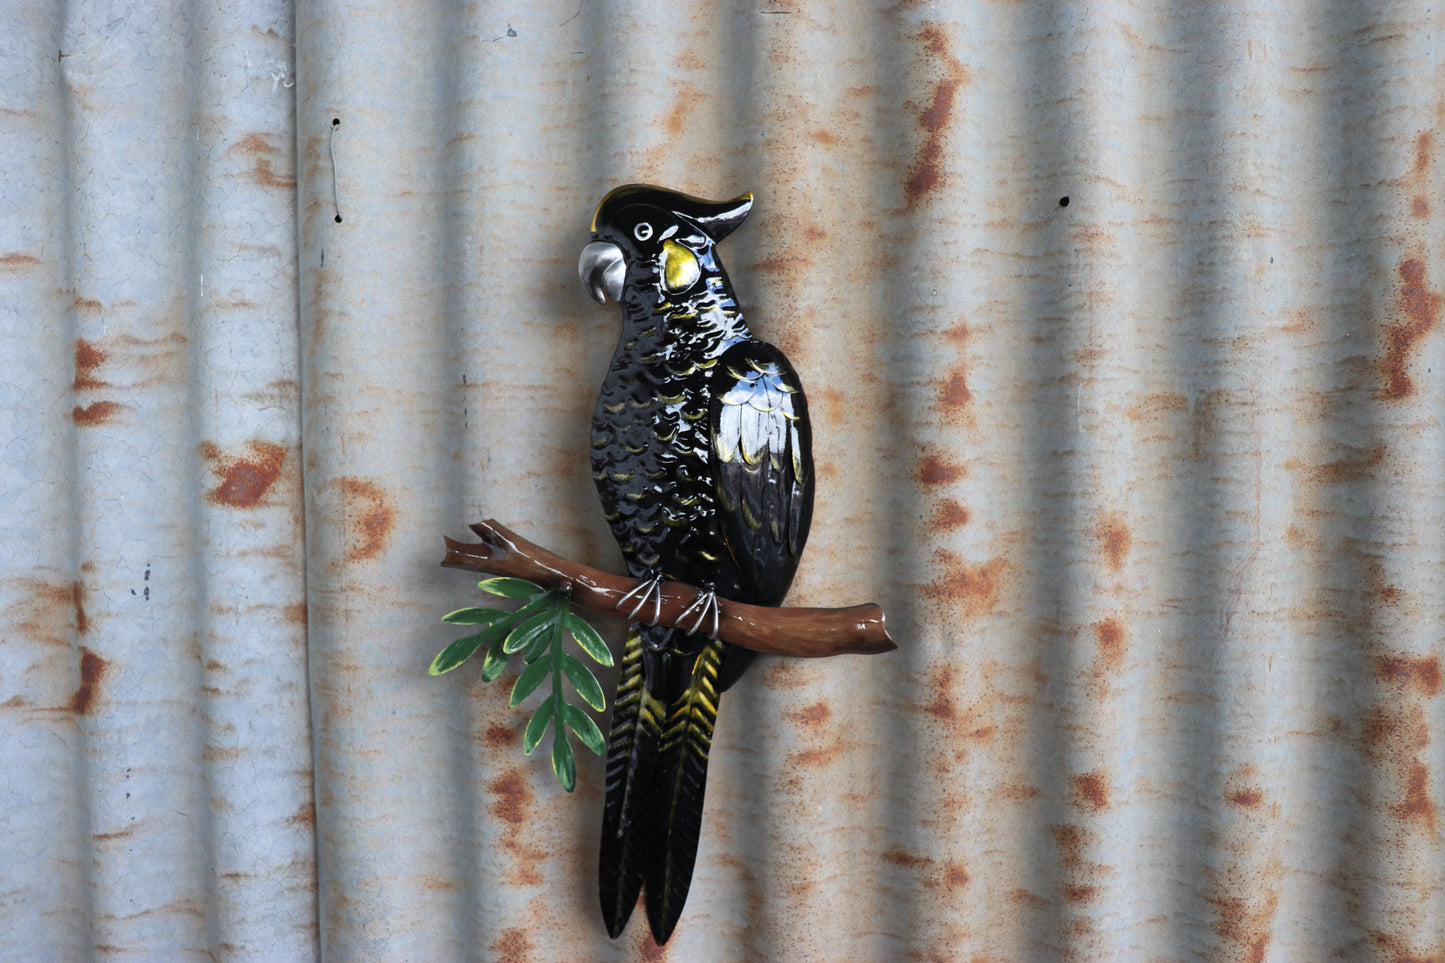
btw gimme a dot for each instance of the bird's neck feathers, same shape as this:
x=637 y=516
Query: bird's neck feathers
x=700 y=323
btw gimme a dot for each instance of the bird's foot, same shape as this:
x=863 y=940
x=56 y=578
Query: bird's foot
x=645 y=592
x=705 y=605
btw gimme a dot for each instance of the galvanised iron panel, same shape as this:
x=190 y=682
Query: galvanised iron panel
x=1119 y=325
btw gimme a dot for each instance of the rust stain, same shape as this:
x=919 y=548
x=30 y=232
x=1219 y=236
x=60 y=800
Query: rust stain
x=1114 y=539
x=369 y=518
x=1244 y=927
x=245 y=480
x=1071 y=841
x=1357 y=464
x=499 y=737
x=1396 y=731
x=77 y=598
x=1091 y=790
x=954 y=393
x=949 y=514
x=295 y=613
x=86 y=305
x=971 y=588
x=928 y=173
x=46 y=613
x=18 y=262
x=88 y=357
x=94 y=414
x=1249 y=797
x=1420 y=174
x=1421 y=308
x=897 y=857
x=513 y=946
x=1410 y=672
x=514 y=797
x=1080 y=894
x=1418 y=807
x=688 y=97
x=940 y=687
x=1110 y=635
x=254 y=144
x=935 y=470
x=814 y=715
x=92 y=669
x=305 y=816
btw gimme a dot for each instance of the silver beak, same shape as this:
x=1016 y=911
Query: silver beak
x=602 y=270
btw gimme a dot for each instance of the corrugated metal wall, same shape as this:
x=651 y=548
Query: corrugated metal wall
x=1119 y=324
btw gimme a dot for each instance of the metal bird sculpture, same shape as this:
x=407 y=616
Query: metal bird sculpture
x=702 y=456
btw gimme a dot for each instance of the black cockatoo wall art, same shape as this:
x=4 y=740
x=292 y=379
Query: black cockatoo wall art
x=701 y=453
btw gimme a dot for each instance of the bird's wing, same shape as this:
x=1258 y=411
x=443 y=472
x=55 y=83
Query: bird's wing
x=763 y=466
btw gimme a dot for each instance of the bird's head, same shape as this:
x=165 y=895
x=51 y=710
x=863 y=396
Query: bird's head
x=651 y=232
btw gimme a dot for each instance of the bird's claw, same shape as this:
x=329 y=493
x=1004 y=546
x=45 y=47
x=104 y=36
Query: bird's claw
x=644 y=592
x=704 y=605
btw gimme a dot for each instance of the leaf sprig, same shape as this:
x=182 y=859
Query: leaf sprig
x=537 y=630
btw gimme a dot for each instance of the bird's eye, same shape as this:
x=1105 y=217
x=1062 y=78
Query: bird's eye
x=642 y=231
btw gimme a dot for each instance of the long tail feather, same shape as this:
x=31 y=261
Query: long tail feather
x=680 y=780
x=631 y=754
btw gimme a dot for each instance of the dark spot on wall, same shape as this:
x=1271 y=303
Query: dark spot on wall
x=1248 y=797
x=1421 y=309
x=1091 y=790
x=369 y=517
x=949 y=514
x=1114 y=540
x=92 y=670
x=514 y=797
x=245 y=480
x=935 y=470
x=94 y=414
x=1411 y=672
x=88 y=357
x=1080 y=894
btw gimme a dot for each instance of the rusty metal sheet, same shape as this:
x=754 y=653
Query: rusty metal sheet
x=1119 y=328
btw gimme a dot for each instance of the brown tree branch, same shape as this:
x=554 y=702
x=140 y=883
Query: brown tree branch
x=808 y=633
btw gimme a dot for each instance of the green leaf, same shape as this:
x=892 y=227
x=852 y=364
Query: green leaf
x=512 y=588
x=564 y=763
x=455 y=654
x=474 y=616
x=538 y=725
x=527 y=632
x=585 y=728
x=496 y=659
x=588 y=638
x=544 y=641
x=584 y=682
x=529 y=680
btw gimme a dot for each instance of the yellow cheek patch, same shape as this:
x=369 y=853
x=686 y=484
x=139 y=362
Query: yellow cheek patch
x=680 y=270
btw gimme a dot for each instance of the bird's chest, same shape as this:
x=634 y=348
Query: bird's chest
x=650 y=455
